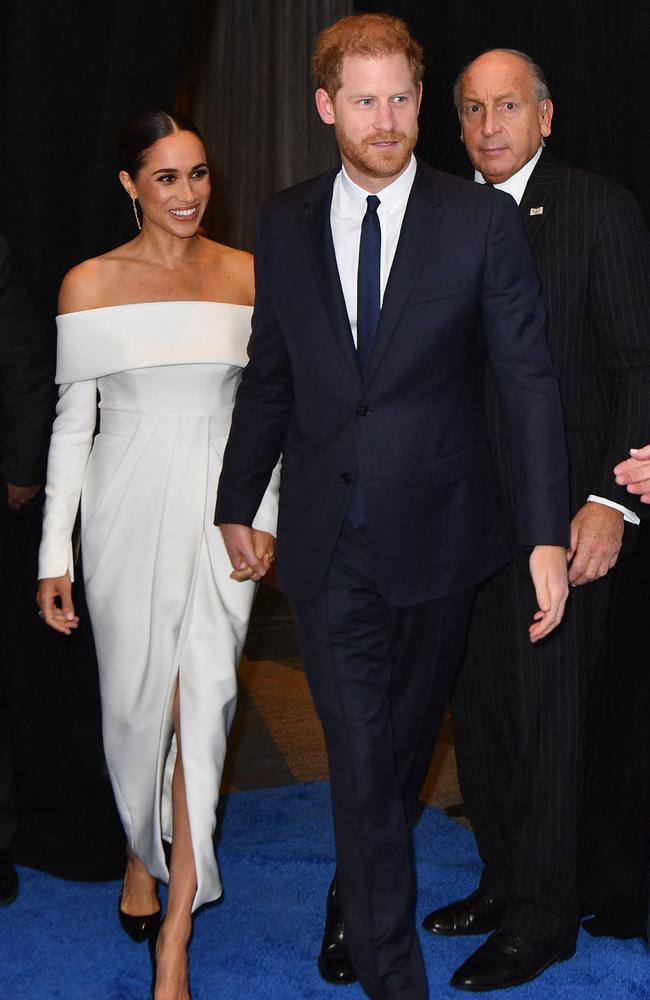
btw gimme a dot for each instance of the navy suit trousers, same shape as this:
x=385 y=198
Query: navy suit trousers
x=380 y=677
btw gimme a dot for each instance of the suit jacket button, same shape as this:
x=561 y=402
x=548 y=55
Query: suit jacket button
x=363 y=410
x=345 y=478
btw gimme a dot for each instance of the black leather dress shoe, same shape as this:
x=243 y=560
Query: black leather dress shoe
x=507 y=959
x=334 y=962
x=8 y=880
x=479 y=913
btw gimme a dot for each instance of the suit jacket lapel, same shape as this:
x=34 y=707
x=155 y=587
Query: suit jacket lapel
x=540 y=193
x=421 y=220
x=320 y=248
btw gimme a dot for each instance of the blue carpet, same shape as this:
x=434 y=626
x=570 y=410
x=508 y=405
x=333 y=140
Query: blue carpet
x=62 y=941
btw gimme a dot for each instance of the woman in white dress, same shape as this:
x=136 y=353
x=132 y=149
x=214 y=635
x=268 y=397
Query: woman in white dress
x=158 y=327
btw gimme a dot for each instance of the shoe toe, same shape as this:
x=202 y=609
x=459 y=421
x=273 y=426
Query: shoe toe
x=336 y=969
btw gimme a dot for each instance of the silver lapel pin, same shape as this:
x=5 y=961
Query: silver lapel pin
x=537 y=211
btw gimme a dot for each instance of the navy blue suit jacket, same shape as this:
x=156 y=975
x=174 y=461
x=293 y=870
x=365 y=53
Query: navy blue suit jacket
x=413 y=430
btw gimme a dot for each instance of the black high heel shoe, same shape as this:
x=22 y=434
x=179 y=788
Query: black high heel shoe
x=139 y=928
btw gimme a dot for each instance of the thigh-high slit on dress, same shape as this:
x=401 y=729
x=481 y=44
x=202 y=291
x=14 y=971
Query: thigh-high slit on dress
x=162 y=607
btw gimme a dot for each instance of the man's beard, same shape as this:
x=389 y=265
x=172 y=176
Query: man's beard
x=374 y=162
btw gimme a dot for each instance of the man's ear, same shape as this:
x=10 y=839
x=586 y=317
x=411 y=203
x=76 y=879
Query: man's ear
x=325 y=106
x=545 y=116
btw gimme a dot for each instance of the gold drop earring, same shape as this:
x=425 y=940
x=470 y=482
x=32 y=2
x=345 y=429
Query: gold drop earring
x=135 y=212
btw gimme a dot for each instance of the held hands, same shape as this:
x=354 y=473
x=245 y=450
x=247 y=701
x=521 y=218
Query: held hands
x=251 y=552
x=18 y=496
x=634 y=473
x=548 y=570
x=54 y=598
x=596 y=539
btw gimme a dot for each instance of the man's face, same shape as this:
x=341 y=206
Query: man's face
x=501 y=123
x=375 y=116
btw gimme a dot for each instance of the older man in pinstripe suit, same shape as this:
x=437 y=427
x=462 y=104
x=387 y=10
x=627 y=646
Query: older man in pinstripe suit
x=519 y=710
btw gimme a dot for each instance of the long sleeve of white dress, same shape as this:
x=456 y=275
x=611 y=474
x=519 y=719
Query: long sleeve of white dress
x=70 y=445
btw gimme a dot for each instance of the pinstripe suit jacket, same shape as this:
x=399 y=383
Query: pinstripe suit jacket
x=592 y=250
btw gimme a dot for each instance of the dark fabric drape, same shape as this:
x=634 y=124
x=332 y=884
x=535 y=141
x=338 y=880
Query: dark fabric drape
x=594 y=53
x=247 y=85
x=71 y=75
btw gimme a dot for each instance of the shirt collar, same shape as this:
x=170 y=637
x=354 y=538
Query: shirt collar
x=391 y=197
x=515 y=185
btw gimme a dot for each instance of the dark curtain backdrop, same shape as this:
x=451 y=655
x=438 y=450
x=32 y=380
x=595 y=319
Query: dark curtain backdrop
x=71 y=75
x=247 y=85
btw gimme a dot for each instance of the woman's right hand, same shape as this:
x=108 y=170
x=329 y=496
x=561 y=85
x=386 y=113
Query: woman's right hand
x=54 y=598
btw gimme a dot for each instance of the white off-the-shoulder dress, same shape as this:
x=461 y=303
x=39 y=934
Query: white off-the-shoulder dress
x=156 y=571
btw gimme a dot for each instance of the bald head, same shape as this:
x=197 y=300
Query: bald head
x=504 y=111
x=537 y=73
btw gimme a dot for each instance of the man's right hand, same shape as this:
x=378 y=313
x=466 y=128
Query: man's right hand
x=240 y=545
x=54 y=597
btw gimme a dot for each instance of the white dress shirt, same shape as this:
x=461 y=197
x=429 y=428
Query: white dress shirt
x=515 y=186
x=346 y=215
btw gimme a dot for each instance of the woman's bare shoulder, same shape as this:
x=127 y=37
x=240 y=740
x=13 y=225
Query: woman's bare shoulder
x=232 y=268
x=91 y=284
x=226 y=254
x=81 y=287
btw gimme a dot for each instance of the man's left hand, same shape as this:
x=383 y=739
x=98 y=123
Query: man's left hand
x=549 y=575
x=596 y=539
x=18 y=496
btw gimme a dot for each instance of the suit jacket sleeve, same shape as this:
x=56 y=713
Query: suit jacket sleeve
x=515 y=329
x=27 y=389
x=262 y=408
x=620 y=303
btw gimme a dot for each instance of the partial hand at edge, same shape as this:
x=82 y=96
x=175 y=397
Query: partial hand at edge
x=18 y=496
x=596 y=539
x=54 y=598
x=634 y=473
x=248 y=550
x=548 y=570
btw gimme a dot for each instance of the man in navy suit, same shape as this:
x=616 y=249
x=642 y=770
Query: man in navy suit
x=381 y=287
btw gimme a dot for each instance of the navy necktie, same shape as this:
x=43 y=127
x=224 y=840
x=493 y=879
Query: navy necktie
x=368 y=282
x=368 y=304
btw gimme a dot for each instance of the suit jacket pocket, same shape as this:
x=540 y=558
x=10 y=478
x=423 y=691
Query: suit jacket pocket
x=459 y=465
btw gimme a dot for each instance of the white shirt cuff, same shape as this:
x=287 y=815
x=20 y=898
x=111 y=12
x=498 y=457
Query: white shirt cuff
x=628 y=515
